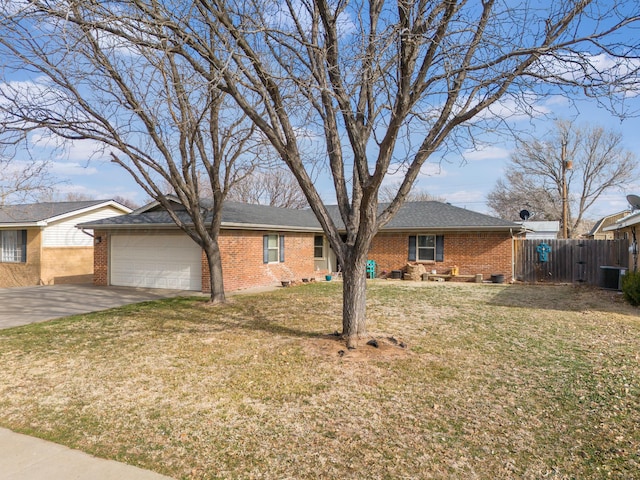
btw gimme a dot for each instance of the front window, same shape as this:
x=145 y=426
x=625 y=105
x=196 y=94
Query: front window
x=272 y=248
x=318 y=246
x=426 y=247
x=13 y=246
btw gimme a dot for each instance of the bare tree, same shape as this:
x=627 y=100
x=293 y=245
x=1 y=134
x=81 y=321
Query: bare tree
x=126 y=201
x=55 y=196
x=594 y=162
x=23 y=180
x=378 y=83
x=276 y=187
x=388 y=192
x=160 y=120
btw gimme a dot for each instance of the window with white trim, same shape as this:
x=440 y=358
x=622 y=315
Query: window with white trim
x=273 y=248
x=13 y=246
x=426 y=248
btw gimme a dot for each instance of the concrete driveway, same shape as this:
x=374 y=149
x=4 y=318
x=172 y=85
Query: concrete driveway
x=24 y=305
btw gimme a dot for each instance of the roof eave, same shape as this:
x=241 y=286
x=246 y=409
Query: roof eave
x=257 y=226
x=224 y=225
x=39 y=223
x=628 y=221
x=80 y=211
x=474 y=228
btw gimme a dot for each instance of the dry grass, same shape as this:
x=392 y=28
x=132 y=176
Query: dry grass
x=497 y=382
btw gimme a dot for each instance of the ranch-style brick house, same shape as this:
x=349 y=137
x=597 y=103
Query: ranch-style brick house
x=264 y=245
x=39 y=244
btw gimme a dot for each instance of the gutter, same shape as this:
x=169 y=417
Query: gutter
x=290 y=228
x=435 y=228
x=39 y=223
x=173 y=226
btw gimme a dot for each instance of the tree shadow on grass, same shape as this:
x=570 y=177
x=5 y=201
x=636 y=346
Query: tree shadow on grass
x=207 y=318
x=570 y=298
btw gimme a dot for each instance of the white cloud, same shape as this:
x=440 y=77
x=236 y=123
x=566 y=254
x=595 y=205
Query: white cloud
x=619 y=73
x=525 y=106
x=433 y=170
x=470 y=199
x=12 y=7
x=62 y=150
x=84 y=150
x=486 y=152
x=466 y=196
x=101 y=192
x=397 y=173
x=556 y=101
x=73 y=169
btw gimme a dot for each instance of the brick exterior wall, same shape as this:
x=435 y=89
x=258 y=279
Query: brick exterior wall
x=486 y=253
x=242 y=260
x=101 y=259
x=66 y=265
x=242 y=257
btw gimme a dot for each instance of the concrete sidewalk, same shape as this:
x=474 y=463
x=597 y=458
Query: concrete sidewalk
x=29 y=458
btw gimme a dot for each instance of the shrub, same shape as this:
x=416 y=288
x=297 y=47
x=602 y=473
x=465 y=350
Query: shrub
x=631 y=287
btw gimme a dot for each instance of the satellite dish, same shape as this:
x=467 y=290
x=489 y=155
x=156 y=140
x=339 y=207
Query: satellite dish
x=524 y=214
x=634 y=201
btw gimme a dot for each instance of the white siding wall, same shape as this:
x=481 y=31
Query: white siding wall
x=65 y=234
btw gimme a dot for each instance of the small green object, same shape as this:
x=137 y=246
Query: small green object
x=371 y=269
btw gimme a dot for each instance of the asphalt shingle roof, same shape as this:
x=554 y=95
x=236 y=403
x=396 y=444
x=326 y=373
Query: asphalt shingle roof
x=36 y=212
x=412 y=216
x=436 y=215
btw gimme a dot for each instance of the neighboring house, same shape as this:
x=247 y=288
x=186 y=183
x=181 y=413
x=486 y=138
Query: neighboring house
x=628 y=227
x=263 y=245
x=39 y=244
x=544 y=230
x=598 y=231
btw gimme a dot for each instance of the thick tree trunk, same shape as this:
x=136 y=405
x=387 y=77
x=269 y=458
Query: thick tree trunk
x=354 y=299
x=214 y=260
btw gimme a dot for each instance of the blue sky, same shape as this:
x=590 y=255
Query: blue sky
x=463 y=181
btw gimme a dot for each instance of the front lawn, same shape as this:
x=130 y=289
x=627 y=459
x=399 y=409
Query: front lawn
x=495 y=381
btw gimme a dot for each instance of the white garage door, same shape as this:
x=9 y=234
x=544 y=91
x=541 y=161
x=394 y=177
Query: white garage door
x=156 y=261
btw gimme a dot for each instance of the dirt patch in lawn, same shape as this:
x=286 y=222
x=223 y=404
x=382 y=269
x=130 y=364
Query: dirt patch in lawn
x=373 y=348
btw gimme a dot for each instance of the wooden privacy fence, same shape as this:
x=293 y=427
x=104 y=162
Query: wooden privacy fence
x=569 y=261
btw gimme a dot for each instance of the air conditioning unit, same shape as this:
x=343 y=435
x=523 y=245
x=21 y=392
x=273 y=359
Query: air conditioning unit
x=611 y=277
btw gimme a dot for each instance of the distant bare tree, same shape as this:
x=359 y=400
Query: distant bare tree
x=276 y=187
x=23 y=181
x=388 y=192
x=127 y=202
x=57 y=196
x=54 y=196
x=595 y=162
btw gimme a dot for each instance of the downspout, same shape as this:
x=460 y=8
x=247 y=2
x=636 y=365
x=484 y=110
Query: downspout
x=87 y=233
x=513 y=256
x=635 y=249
